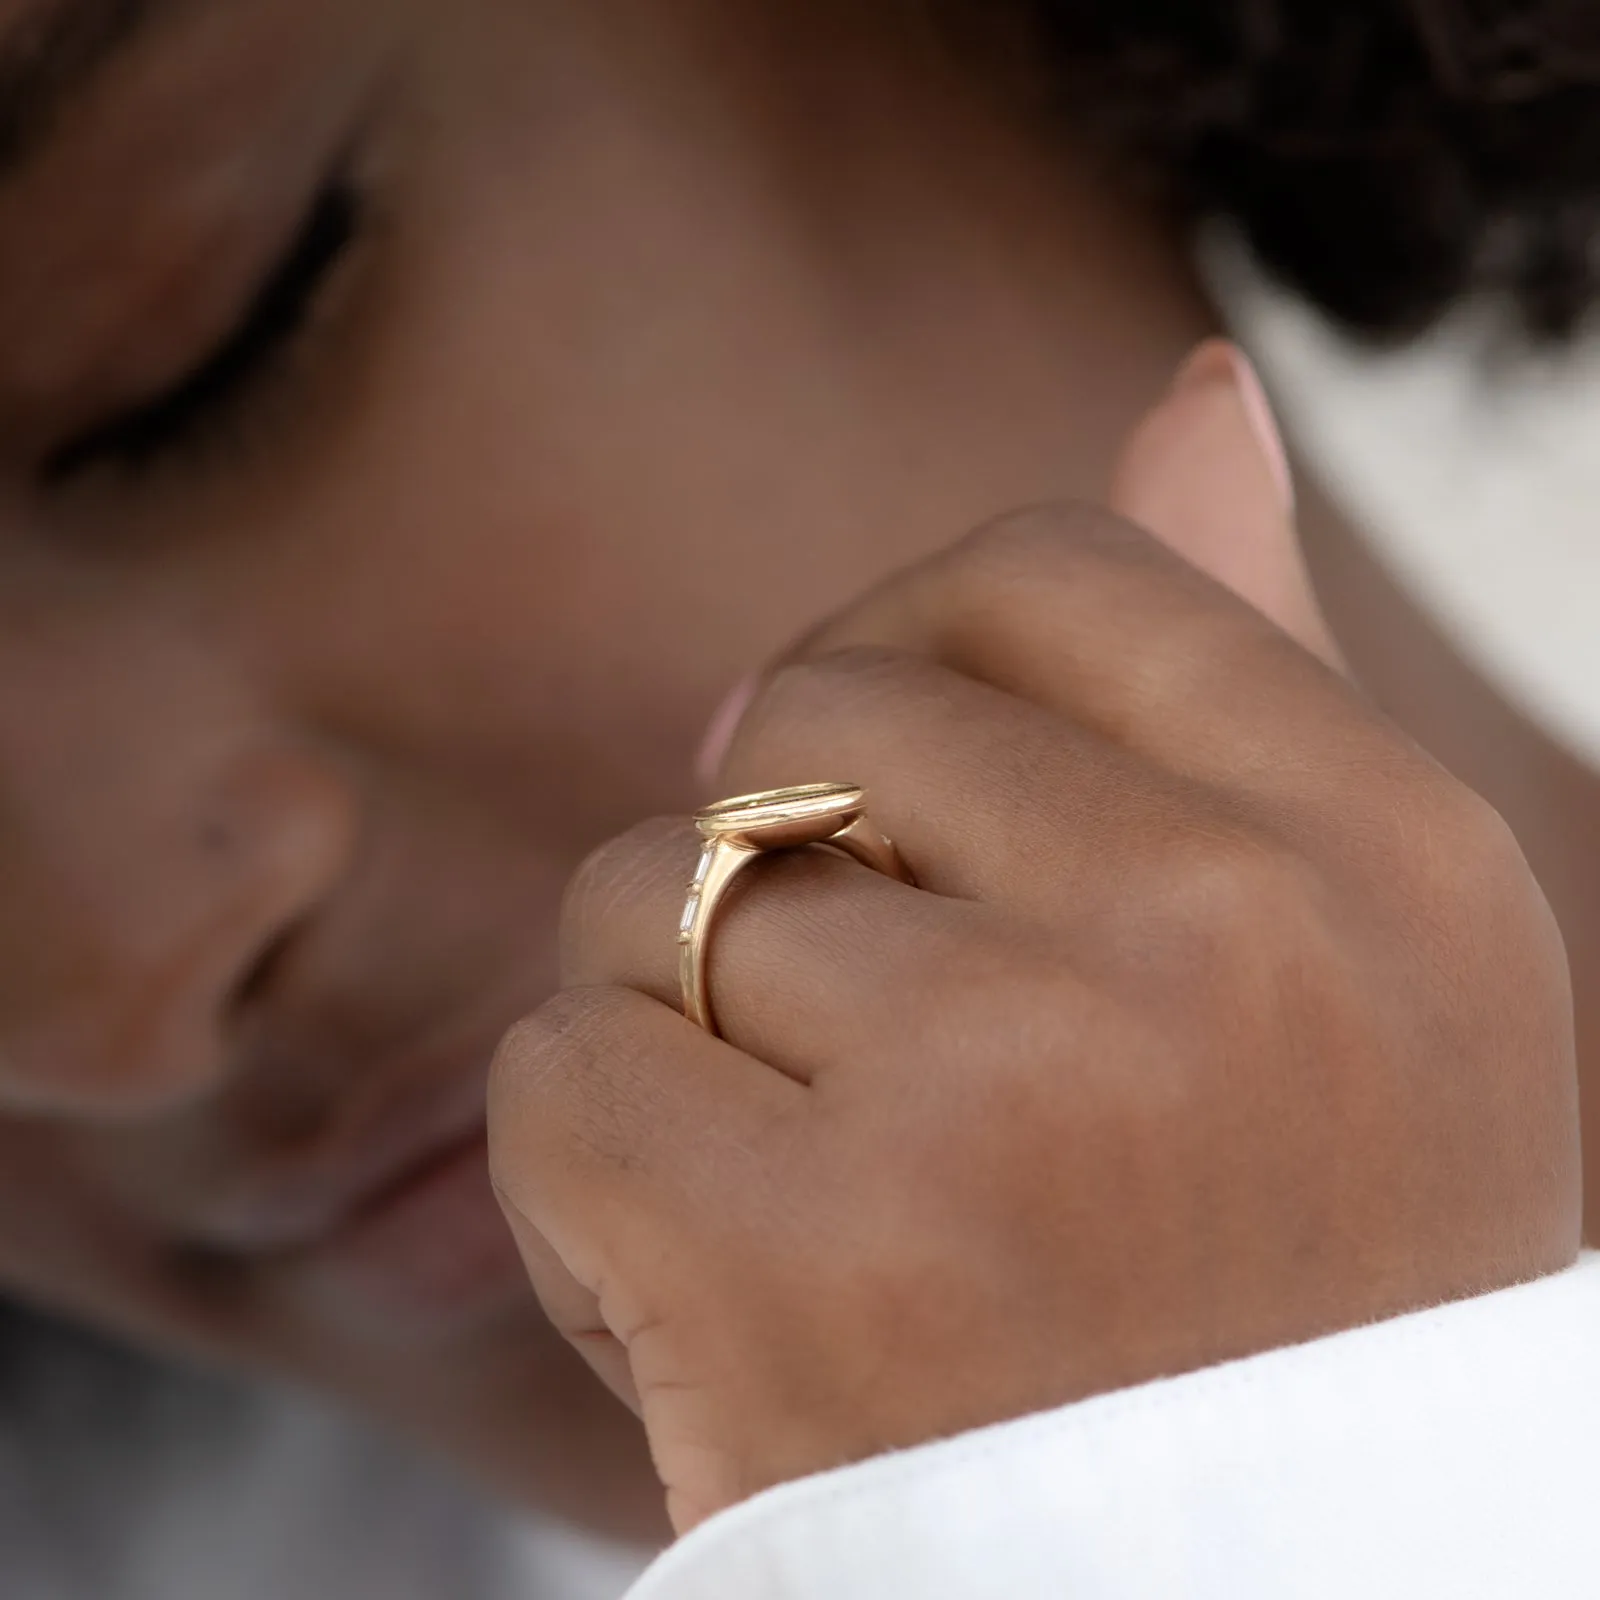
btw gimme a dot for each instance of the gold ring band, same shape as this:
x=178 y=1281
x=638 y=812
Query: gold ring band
x=737 y=831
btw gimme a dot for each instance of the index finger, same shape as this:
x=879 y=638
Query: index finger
x=637 y=1146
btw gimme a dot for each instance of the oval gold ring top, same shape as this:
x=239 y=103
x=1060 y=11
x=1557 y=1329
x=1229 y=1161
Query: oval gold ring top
x=781 y=819
x=736 y=831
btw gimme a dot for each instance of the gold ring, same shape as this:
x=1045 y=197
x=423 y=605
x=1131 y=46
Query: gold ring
x=737 y=831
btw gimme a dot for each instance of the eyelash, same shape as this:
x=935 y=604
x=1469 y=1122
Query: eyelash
x=222 y=384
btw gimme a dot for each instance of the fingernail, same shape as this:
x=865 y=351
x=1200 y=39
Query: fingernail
x=1263 y=424
x=714 y=747
x=1222 y=360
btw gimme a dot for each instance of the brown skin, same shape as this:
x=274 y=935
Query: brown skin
x=1546 y=794
x=305 y=723
x=1221 y=1017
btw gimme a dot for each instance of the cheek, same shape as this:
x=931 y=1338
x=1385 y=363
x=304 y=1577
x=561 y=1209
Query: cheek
x=464 y=600
x=491 y=647
x=574 y=491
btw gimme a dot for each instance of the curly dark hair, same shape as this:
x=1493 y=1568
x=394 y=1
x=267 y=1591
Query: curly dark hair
x=1383 y=156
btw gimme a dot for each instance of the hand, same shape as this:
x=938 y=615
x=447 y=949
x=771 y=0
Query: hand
x=1222 y=1018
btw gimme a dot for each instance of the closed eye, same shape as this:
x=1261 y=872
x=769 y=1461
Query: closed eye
x=224 y=379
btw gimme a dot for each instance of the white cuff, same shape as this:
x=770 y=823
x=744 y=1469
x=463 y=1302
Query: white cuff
x=1453 y=1452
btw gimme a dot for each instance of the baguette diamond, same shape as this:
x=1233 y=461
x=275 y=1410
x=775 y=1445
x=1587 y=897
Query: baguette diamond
x=736 y=832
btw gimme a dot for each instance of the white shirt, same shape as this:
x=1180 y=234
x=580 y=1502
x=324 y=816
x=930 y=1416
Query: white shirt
x=1451 y=1453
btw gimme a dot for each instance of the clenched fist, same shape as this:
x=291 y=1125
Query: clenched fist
x=1220 y=1017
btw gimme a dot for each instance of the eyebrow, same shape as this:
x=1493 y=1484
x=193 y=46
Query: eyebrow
x=51 y=57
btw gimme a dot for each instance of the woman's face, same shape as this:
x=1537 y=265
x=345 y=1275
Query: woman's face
x=412 y=419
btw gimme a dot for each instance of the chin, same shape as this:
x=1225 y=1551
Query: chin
x=512 y=1404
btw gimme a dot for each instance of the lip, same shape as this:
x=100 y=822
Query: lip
x=392 y=1230
x=429 y=1255
x=293 y=1206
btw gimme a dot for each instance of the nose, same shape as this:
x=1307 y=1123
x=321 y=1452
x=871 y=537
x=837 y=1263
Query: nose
x=156 y=849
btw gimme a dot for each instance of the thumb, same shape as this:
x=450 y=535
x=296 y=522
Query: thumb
x=1206 y=472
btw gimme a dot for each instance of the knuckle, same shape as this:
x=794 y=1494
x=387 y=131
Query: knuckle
x=568 y=1089
x=1058 y=540
x=549 y=1047
x=1018 y=543
x=1474 y=847
x=1007 y=567
x=807 y=696
x=574 y=1083
x=623 y=868
x=805 y=690
x=1486 y=926
x=1232 y=886
x=1451 y=864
